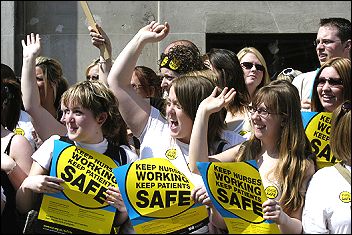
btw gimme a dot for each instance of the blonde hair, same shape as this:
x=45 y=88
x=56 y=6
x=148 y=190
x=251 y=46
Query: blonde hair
x=340 y=137
x=266 y=78
x=295 y=153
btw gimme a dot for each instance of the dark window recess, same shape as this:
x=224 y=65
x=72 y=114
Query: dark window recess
x=280 y=51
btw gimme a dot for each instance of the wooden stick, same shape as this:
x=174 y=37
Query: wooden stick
x=92 y=22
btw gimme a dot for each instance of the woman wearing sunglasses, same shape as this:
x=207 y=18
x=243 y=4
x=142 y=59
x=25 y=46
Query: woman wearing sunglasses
x=332 y=85
x=254 y=68
x=278 y=144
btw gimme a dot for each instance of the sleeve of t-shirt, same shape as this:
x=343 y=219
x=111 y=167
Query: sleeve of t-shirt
x=314 y=213
x=131 y=156
x=43 y=155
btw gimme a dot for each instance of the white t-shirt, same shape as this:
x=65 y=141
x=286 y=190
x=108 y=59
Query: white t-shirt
x=327 y=206
x=156 y=141
x=44 y=154
x=240 y=126
x=304 y=84
x=25 y=128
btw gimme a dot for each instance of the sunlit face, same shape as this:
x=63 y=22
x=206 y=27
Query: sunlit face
x=330 y=95
x=168 y=76
x=138 y=87
x=93 y=73
x=180 y=123
x=329 y=45
x=81 y=124
x=252 y=76
x=40 y=82
x=266 y=128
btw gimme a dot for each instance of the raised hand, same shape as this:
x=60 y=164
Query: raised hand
x=213 y=103
x=154 y=32
x=31 y=47
x=100 y=39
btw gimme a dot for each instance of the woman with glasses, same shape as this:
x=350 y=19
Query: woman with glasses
x=254 y=68
x=278 y=144
x=327 y=206
x=332 y=85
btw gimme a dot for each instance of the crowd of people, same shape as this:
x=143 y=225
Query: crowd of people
x=220 y=106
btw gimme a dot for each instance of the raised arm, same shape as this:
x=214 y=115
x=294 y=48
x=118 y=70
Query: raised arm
x=44 y=123
x=101 y=40
x=133 y=108
x=198 y=147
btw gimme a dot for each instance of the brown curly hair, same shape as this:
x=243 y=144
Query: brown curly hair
x=189 y=58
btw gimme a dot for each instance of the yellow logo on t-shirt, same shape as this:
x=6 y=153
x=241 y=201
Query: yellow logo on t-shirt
x=171 y=154
x=345 y=197
x=19 y=131
x=271 y=192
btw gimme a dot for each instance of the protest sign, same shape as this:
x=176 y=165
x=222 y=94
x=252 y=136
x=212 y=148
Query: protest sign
x=237 y=192
x=317 y=127
x=81 y=206
x=158 y=197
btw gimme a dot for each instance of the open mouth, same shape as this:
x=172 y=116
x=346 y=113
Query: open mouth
x=173 y=125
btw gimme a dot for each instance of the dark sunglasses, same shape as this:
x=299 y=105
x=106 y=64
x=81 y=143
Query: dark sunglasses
x=333 y=82
x=249 y=65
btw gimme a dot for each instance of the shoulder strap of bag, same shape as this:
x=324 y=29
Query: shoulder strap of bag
x=344 y=172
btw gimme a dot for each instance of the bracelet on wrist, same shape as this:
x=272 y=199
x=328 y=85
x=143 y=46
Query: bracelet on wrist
x=10 y=171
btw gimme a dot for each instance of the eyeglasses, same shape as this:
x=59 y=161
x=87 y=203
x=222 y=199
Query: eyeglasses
x=92 y=77
x=136 y=86
x=333 y=82
x=249 y=65
x=261 y=111
x=325 y=42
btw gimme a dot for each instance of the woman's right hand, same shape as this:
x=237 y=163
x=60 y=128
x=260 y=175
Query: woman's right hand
x=31 y=48
x=154 y=32
x=43 y=184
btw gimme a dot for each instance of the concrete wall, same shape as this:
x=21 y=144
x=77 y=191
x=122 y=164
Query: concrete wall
x=63 y=26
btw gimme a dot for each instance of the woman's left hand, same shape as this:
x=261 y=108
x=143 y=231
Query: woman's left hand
x=114 y=198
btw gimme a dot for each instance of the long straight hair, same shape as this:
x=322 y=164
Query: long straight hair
x=295 y=153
